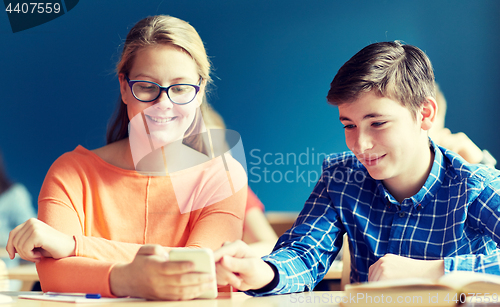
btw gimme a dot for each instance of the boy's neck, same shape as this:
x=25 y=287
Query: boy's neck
x=408 y=184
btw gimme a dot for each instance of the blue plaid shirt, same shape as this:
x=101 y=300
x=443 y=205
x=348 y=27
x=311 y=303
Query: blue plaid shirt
x=455 y=216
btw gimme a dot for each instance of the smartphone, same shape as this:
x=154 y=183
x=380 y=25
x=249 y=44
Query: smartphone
x=203 y=259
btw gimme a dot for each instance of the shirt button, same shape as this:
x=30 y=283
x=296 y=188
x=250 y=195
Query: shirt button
x=401 y=214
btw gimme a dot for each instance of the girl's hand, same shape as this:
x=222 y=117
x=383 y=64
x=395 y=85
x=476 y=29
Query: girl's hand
x=34 y=239
x=150 y=275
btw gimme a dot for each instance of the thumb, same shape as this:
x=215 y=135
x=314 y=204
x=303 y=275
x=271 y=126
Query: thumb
x=236 y=265
x=152 y=249
x=11 y=250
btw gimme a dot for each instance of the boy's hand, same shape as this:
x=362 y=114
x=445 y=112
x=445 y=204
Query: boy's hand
x=237 y=265
x=392 y=266
x=34 y=239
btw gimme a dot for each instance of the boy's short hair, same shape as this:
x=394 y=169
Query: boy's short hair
x=400 y=72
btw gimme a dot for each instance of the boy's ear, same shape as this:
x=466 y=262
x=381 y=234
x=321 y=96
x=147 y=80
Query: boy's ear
x=428 y=112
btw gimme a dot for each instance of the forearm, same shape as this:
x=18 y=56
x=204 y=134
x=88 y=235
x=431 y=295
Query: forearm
x=106 y=250
x=75 y=274
x=292 y=273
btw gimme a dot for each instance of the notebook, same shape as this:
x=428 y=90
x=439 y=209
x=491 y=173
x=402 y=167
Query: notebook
x=77 y=299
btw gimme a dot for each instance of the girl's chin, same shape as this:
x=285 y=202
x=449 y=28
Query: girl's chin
x=159 y=141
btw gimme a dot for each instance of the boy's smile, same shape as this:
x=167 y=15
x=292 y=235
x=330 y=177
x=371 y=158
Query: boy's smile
x=370 y=161
x=388 y=140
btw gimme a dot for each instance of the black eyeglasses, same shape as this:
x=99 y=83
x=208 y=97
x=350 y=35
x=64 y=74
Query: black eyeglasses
x=147 y=91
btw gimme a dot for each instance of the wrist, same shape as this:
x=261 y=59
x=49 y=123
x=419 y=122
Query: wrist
x=435 y=269
x=118 y=280
x=73 y=246
x=270 y=278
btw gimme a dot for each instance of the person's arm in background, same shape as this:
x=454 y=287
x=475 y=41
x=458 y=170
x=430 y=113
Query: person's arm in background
x=456 y=142
x=23 y=208
x=464 y=146
x=257 y=232
x=16 y=208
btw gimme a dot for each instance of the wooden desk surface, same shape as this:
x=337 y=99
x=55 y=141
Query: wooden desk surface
x=304 y=299
x=25 y=273
x=238 y=300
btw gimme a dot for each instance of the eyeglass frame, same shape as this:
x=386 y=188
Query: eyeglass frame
x=163 y=88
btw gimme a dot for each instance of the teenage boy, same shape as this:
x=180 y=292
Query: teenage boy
x=409 y=207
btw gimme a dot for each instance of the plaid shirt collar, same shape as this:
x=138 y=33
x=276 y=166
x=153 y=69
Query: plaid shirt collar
x=428 y=190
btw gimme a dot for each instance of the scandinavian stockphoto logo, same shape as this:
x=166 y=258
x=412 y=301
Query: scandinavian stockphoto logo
x=26 y=15
x=303 y=167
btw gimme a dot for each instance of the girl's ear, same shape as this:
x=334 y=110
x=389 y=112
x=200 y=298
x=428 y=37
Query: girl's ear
x=200 y=97
x=428 y=112
x=123 y=87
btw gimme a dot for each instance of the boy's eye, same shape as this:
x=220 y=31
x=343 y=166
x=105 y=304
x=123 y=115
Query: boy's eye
x=378 y=124
x=349 y=126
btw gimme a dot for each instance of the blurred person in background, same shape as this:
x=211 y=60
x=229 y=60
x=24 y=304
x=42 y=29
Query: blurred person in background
x=457 y=142
x=15 y=208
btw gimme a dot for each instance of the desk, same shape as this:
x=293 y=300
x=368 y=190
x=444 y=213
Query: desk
x=25 y=273
x=310 y=299
x=304 y=299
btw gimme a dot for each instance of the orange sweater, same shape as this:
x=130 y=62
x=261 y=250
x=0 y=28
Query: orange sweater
x=112 y=212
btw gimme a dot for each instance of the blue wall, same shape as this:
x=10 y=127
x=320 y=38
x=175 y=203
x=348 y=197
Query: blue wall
x=273 y=64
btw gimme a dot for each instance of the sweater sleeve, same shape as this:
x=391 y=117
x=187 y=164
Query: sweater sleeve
x=219 y=222
x=65 y=219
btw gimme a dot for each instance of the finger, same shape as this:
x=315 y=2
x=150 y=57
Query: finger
x=377 y=273
x=13 y=239
x=228 y=248
x=225 y=277
x=28 y=241
x=175 y=267
x=372 y=271
x=237 y=265
x=153 y=249
x=185 y=292
x=237 y=249
x=11 y=250
x=21 y=235
x=188 y=279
